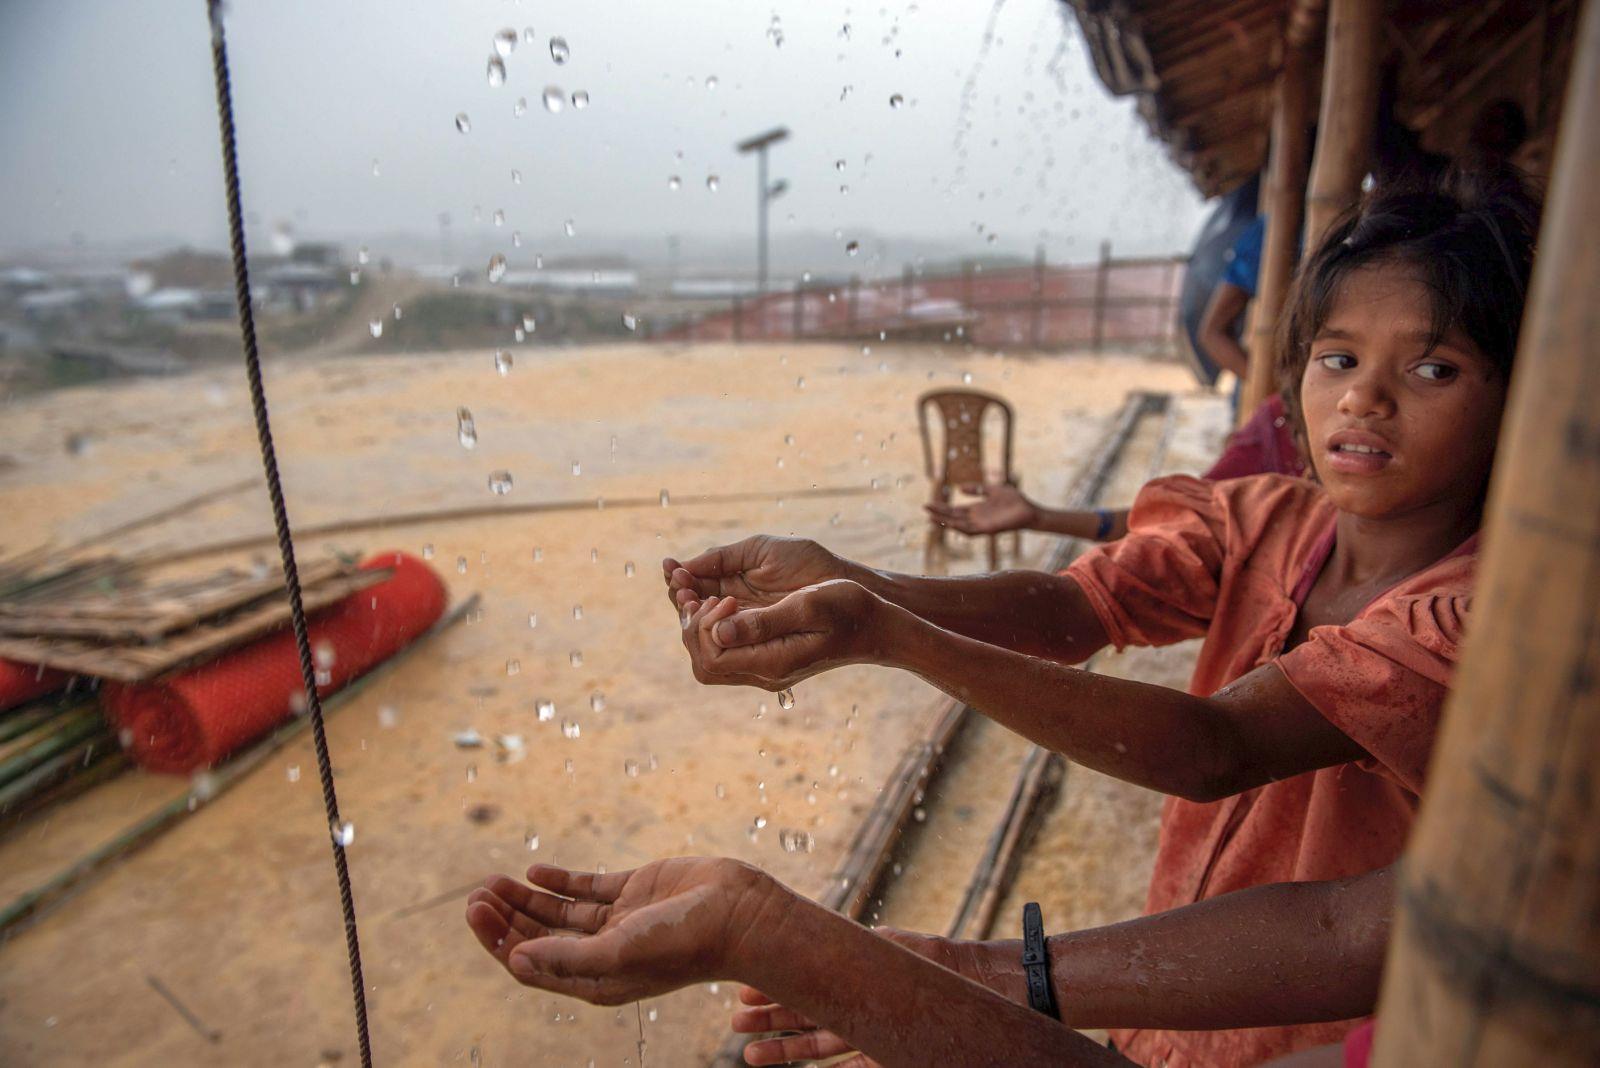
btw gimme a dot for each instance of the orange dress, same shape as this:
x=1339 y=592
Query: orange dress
x=1233 y=561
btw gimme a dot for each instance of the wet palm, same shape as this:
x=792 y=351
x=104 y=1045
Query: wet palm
x=617 y=937
x=759 y=571
x=1000 y=508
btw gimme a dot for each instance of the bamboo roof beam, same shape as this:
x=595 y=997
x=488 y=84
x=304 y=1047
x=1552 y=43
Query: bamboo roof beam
x=1495 y=958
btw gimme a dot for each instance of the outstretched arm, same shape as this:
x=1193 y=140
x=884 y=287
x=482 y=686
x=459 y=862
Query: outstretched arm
x=610 y=939
x=1028 y=611
x=1256 y=730
x=1314 y=953
x=1001 y=508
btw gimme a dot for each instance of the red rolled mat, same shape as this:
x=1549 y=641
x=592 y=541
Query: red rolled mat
x=197 y=717
x=22 y=682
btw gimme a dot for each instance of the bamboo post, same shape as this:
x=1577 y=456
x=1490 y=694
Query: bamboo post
x=1349 y=112
x=1496 y=954
x=1102 y=281
x=1285 y=200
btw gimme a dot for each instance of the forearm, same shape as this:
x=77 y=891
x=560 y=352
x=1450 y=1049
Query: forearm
x=1081 y=524
x=1289 y=953
x=1152 y=736
x=1031 y=612
x=892 y=1005
x=1226 y=352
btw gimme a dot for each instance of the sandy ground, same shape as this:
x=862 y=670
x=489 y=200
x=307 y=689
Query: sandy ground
x=235 y=910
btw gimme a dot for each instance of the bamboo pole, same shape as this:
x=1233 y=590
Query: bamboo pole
x=1496 y=953
x=1349 y=112
x=1285 y=202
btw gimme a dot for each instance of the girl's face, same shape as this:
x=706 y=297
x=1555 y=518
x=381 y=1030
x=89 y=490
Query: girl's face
x=1392 y=427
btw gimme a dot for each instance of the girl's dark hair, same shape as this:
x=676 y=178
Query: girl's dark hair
x=1468 y=237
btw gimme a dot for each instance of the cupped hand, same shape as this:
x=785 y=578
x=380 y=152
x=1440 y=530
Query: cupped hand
x=811 y=630
x=759 y=571
x=1000 y=507
x=996 y=965
x=614 y=938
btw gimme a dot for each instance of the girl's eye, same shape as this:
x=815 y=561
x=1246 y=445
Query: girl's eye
x=1437 y=372
x=1337 y=361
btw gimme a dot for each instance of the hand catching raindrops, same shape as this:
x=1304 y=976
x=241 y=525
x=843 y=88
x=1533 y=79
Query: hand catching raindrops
x=759 y=571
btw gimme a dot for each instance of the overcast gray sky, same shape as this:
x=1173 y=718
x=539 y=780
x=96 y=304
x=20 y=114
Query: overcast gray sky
x=109 y=127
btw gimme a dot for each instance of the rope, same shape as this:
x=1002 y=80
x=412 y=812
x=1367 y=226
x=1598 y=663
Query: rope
x=280 y=515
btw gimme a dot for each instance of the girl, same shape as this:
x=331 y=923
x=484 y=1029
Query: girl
x=1332 y=611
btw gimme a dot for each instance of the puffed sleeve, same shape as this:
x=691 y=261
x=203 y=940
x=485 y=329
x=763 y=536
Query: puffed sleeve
x=1158 y=585
x=1382 y=679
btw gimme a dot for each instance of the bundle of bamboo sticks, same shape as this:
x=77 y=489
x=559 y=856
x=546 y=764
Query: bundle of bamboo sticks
x=52 y=748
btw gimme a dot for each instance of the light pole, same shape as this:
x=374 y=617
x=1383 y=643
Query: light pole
x=764 y=194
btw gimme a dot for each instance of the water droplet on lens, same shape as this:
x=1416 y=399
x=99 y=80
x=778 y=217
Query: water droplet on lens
x=796 y=841
x=513 y=667
x=785 y=699
x=920 y=814
x=293 y=773
x=516 y=176
x=896 y=100
x=577 y=613
x=713 y=183
x=554 y=99
x=466 y=430
x=674 y=182
x=853 y=247
x=559 y=50
x=503 y=361
x=570 y=728
x=838 y=165
x=577 y=469
x=463 y=123
x=629 y=321
x=569 y=228
x=575 y=658
x=711 y=82
x=800 y=383
x=375 y=327
x=597 y=702
x=531 y=839
x=343 y=833
x=497 y=267
x=461 y=565
x=546 y=709
x=505 y=42
x=580 y=99
x=472 y=773
x=388 y=716
x=496 y=70
x=520 y=108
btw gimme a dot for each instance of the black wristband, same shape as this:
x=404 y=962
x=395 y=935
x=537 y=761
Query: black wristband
x=1036 y=962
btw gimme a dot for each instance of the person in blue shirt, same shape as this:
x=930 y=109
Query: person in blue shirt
x=1223 y=320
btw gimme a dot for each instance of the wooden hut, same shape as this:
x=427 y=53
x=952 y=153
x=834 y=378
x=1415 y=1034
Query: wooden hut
x=1496 y=954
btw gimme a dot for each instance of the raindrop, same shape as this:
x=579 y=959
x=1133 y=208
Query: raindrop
x=293 y=773
x=722 y=792
x=630 y=768
x=397 y=313
x=800 y=383
x=665 y=498
x=713 y=183
x=375 y=327
x=516 y=239
x=785 y=699
x=497 y=72
x=362 y=255
x=466 y=430
x=844 y=190
x=376 y=170
x=570 y=728
x=505 y=42
x=388 y=716
x=503 y=361
x=920 y=814
x=531 y=839
x=896 y=100
x=597 y=702
x=852 y=248
x=627 y=569
x=472 y=773
x=467 y=739
x=554 y=99
x=461 y=565
x=497 y=267
x=577 y=613
x=569 y=228
x=463 y=123
x=580 y=99
x=630 y=321
x=577 y=469
x=796 y=841
x=516 y=176
x=513 y=667
x=520 y=108
x=538 y=555
x=527 y=35
x=838 y=165
x=559 y=50
x=343 y=833
x=674 y=183
x=711 y=82
x=966 y=377
x=760 y=822
x=528 y=322
x=575 y=658
x=546 y=709
x=533 y=620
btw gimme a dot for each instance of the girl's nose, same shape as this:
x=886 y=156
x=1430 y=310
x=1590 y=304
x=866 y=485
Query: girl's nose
x=1366 y=397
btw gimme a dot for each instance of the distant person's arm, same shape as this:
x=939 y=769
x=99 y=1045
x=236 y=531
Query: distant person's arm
x=1223 y=311
x=1002 y=508
x=1314 y=953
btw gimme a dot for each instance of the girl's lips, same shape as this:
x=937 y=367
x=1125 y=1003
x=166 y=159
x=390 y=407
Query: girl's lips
x=1350 y=461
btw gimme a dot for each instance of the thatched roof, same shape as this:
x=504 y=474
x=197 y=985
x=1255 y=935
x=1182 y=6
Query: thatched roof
x=1203 y=70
